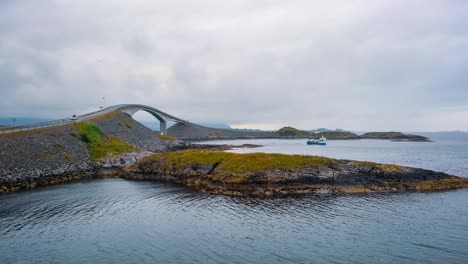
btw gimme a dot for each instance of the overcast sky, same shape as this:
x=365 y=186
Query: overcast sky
x=358 y=65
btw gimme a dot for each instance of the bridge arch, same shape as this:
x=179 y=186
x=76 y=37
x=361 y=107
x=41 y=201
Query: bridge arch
x=131 y=109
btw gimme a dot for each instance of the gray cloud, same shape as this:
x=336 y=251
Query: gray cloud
x=364 y=65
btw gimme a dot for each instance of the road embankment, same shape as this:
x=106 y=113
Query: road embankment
x=66 y=153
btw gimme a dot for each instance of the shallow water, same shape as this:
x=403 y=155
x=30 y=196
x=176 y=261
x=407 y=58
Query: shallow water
x=118 y=221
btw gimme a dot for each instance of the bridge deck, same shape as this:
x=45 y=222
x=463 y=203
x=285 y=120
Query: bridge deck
x=65 y=121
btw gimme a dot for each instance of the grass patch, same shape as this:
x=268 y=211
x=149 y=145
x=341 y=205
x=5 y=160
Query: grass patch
x=184 y=158
x=232 y=163
x=111 y=145
x=443 y=184
x=90 y=133
x=253 y=162
x=167 y=138
x=98 y=144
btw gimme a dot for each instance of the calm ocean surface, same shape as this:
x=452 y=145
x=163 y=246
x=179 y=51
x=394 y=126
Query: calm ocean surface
x=448 y=152
x=118 y=221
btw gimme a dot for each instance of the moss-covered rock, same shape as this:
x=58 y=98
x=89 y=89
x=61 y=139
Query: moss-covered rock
x=261 y=174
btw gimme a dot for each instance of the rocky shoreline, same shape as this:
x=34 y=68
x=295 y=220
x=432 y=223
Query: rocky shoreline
x=18 y=178
x=219 y=172
x=285 y=175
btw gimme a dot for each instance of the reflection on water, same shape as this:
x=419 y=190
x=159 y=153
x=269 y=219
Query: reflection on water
x=118 y=221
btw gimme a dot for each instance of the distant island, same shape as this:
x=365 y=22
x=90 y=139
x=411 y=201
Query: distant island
x=190 y=131
x=320 y=130
x=394 y=136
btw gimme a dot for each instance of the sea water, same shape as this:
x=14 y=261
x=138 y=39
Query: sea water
x=119 y=221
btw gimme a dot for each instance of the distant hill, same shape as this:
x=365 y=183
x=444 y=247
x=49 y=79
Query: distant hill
x=390 y=134
x=320 y=130
x=292 y=132
x=331 y=134
x=191 y=131
x=395 y=136
x=249 y=130
x=338 y=135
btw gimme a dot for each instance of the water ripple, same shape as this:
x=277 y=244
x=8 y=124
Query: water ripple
x=117 y=221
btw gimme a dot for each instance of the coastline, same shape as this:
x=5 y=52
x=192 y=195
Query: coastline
x=101 y=146
x=218 y=172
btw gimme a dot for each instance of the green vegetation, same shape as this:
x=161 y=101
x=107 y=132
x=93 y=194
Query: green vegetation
x=90 y=134
x=394 y=136
x=254 y=162
x=231 y=163
x=167 y=137
x=183 y=158
x=98 y=144
x=443 y=184
x=390 y=134
x=292 y=132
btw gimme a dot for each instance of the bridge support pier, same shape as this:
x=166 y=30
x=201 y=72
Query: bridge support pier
x=162 y=127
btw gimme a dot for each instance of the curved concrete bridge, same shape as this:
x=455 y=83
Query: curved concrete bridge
x=129 y=109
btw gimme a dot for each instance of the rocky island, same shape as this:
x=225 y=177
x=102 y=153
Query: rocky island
x=265 y=175
x=190 y=131
x=395 y=136
x=118 y=146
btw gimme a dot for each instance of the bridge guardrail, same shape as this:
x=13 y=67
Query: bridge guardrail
x=52 y=123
